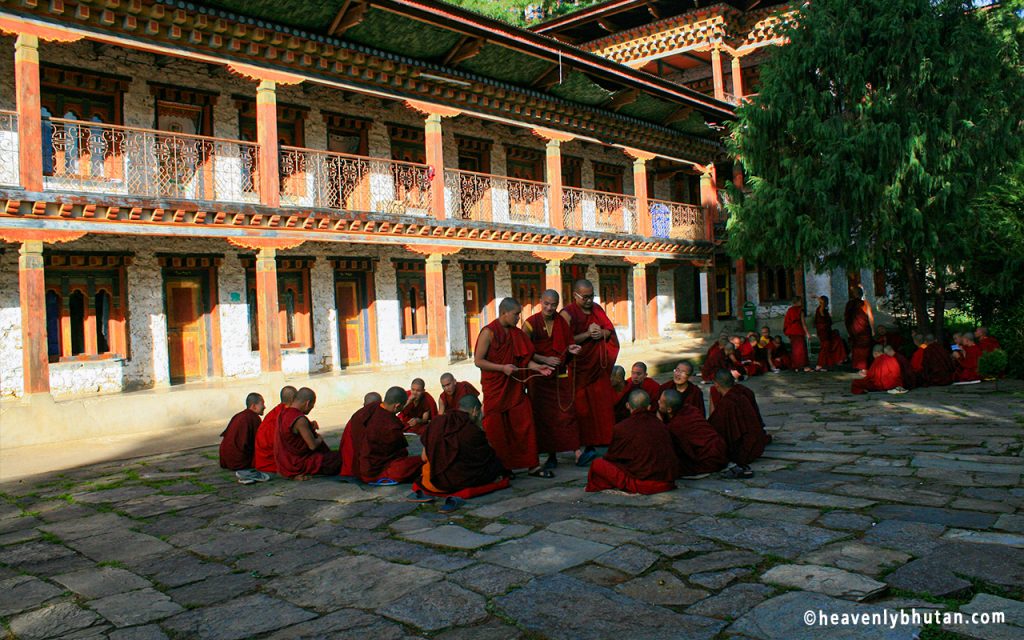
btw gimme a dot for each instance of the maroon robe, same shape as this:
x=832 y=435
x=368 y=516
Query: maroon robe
x=552 y=398
x=714 y=361
x=263 y=455
x=652 y=388
x=238 y=440
x=698 y=446
x=737 y=418
x=353 y=439
x=692 y=395
x=907 y=372
x=462 y=389
x=832 y=350
x=384 y=452
x=640 y=458
x=619 y=407
x=793 y=329
x=293 y=456
x=988 y=343
x=426 y=404
x=748 y=357
x=883 y=374
x=508 y=417
x=858 y=326
x=967 y=366
x=937 y=366
x=458 y=453
x=592 y=381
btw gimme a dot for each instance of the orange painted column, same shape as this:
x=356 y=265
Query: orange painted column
x=640 y=302
x=707 y=280
x=32 y=292
x=653 y=328
x=553 y=278
x=266 y=137
x=267 y=307
x=737 y=79
x=437 y=318
x=643 y=205
x=435 y=158
x=556 y=217
x=709 y=200
x=716 y=73
x=30 y=128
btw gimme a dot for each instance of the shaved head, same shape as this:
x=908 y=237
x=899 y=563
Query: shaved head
x=447 y=378
x=550 y=294
x=583 y=285
x=395 y=395
x=469 y=403
x=671 y=400
x=288 y=394
x=371 y=398
x=508 y=305
x=304 y=395
x=724 y=378
x=253 y=398
x=638 y=400
x=418 y=383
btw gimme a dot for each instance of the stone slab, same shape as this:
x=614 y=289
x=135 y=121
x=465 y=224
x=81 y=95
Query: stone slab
x=769 y=511
x=716 y=580
x=59 y=620
x=135 y=607
x=101 y=582
x=442 y=605
x=857 y=557
x=985 y=537
x=915 y=538
x=629 y=559
x=594 y=531
x=543 y=552
x=145 y=632
x=783 y=618
x=451 y=536
x=934 y=515
x=238 y=619
x=213 y=590
x=779 y=538
x=345 y=624
x=662 y=588
x=827 y=580
x=732 y=602
x=716 y=561
x=489 y=579
x=22 y=593
x=801 y=498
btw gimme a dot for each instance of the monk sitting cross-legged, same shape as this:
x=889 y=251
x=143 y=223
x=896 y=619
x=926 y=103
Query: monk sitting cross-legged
x=238 y=441
x=452 y=391
x=299 y=451
x=263 y=457
x=457 y=459
x=967 y=360
x=883 y=374
x=681 y=383
x=638 y=380
x=737 y=418
x=620 y=393
x=419 y=409
x=937 y=366
x=714 y=360
x=384 y=455
x=354 y=435
x=985 y=341
x=640 y=458
x=698 y=446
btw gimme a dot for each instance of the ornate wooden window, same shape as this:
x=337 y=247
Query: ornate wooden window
x=291 y=122
x=525 y=163
x=293 y=302
x=775 y=284
x=570 y=274
x=572 y=171
x=615 y=294
x=474 y=154
x=86 y=306
x=181 y=110
x=346 y=134
x=527 y=285
x=408 y=144
x=608 y=177
x=412 y=297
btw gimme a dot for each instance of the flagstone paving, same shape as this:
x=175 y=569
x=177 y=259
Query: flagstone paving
x=861 y=505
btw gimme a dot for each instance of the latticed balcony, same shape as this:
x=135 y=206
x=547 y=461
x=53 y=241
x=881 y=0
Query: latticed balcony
x=9 y=148
x=488 y=198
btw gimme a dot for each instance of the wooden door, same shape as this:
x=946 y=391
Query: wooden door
x=186 y=329
x=474 y=312
x=350 y=300
x=528 y=289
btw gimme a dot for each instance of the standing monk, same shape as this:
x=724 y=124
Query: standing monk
x=299 y=451
x=737 y=418
x=419 y=409
x=263 y=458
x=384 y=455
x=238 y=440
x=680 y=382
x=452 y=391
x=794 y=326
x=504 y=355
x=552 y=397
x=860 y=325
x=832 y=350
x=595 y=333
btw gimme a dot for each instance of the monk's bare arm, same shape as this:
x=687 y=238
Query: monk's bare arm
x=870 y=314
x=483 y=345
x=303 y=428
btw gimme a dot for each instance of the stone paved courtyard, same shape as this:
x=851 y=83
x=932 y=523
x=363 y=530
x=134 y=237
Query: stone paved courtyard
x=861 y=504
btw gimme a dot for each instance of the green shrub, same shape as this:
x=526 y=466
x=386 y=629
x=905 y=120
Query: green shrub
x=1008 y=327
x=992 y=364
x=958 y=321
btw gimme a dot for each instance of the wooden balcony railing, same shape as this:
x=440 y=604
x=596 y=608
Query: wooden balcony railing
x=677 y=220
x=311 y=178
x=102 y=158
x=9 y=148
x=589 y=210
x=489 y=198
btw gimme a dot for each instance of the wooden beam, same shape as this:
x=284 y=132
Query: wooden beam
x=467 y=48
x=608 y=25
x=351 y=13
x=620 y=99
x=682 y=113
x=549 y=78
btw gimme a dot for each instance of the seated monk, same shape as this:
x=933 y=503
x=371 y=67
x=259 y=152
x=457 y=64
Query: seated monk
x=737 y=418
x=457 y=459
x=985 y=341
x=732 y=362
x=763 y=351
x=714 y=360
x=419 y=409
x=906 y=371
x=883 y=374
x=640 y=458
x=263 y=456
x=699 y=448
x=299 y=451
x=888 y=338
x=238 y=440
x=452 y=391
x=937 y=366
x=384 y=456
x=779 y=355
x=747 y=354
x=967 y=360
x=917 y=358
x=621 y=393
x=680 y=382
x=638 y=380
x=354 y=435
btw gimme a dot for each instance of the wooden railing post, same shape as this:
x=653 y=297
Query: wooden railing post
x=553 y=175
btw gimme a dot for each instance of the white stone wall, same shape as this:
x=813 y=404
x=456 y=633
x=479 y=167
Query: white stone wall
x=666 y=298
x=455 y=297
x=326 y=341
x=148 y=364
x=503 y=279
x=11 y=376
x=236 y=354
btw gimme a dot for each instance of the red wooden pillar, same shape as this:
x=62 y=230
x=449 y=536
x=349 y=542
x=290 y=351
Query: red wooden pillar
x=643 y=205
x=640 y=332
x=266 y=137
x=267 y=308
x=737 y=79
x=553 y=168
x=716 y=73
x=30 y=131
x=707 y=281
x=437 y=318
x=653 y=328
x=32 y=292
x=435 y=158
x=709 y=200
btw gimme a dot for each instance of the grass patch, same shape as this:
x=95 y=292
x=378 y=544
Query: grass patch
x=46 y=536
x=951 y=604
x=935 y=632
x=115 y=564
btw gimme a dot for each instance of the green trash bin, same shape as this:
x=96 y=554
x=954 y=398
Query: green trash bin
x=750 y=317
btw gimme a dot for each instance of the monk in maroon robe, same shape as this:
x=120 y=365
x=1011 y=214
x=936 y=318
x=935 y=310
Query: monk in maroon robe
x=452 y=391
x=419 y=409
x=354 y=435
x=737 y=418
x=907 y=372
x=733 y=363
x=714 y=360
x=504 y=355
x=552 y=398
x=883 y=374
x=699 y=448
x=860 y=326
x=384 y=455
x=967 y=360
x=299 y=451
x=640 y=458
x=832 y=350
x=779 y=355
x=638 y=380
x=937 y=366
x=238 y=440
x=794 y=327
x=620 y=393
x=681 y=383
x=747 y=354
x=263 y=456
x=458 y=460
x=985 y=341
x=595 y=333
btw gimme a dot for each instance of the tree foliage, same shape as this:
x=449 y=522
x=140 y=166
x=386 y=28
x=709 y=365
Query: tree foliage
x=874 y=131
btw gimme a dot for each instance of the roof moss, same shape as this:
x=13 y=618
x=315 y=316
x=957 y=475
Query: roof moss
x=505 y=64
x=315 y=15
x=397 y=34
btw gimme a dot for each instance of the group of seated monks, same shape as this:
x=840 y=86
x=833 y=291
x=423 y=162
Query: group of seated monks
x=748 y=356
